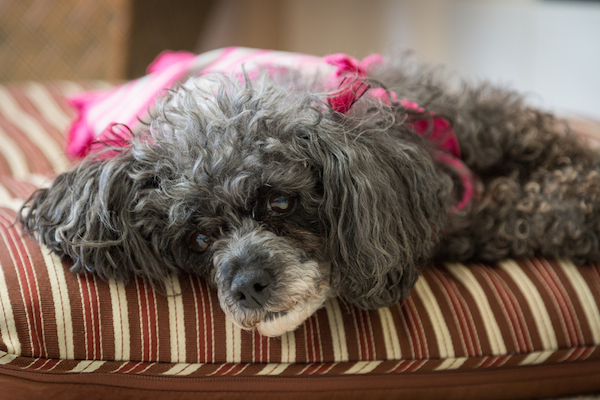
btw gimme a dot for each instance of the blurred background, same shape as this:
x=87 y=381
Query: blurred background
x=549 y=49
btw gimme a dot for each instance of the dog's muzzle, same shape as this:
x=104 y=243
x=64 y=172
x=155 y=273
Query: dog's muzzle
x=266 y=281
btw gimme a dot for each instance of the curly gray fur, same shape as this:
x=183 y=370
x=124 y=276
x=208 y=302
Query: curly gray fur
x=372 y=202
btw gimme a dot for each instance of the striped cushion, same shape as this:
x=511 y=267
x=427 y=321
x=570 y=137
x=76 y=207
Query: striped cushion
x=525 y=327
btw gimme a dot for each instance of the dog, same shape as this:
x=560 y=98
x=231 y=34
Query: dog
x=282 y=192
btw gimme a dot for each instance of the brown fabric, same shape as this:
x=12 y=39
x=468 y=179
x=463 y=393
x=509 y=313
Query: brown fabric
x=505 y=383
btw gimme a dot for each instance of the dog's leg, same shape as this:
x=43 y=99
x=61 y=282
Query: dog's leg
x=499 y=134
x=554 y=214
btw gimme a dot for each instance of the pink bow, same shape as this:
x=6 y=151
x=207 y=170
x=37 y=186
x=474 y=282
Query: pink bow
x=436 y=128
x=352 y=86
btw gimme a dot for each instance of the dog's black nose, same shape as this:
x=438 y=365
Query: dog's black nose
x=251 y=288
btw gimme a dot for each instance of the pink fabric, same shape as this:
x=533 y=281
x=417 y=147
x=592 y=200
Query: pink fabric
x=107 y=117
x=81 y=134
x=168 y=58
x=126 y=102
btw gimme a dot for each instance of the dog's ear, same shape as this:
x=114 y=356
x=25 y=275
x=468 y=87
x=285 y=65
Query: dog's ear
x=384 y=207
x=93 y=214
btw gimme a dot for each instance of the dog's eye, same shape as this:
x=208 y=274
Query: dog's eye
x=199 y=242
x=280 y=204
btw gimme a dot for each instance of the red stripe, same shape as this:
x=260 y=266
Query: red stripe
x=462 y=314
x=29 y=290
x=138 y=367
x=38 y=363
x=318 y=368
x=91 y=315
x=60 y=97
x=587 y=352
x=8 y=339
x=494 y=361
x=237 y=368
x=561 y=300
x=416 y=331
x=126 y=367
x=408 y=365
x=229 y=369
x=148 y=320
x=144 y=320
x=364 y=334
x=513 y=312
x=36 y=160
x=313 y=368
x=30 y=109
x=17 y=189
x=313 y=340
x=5 y=167
x=206 y=346
x=95 y=304
x=416 y=365
x=87 y=317
x=50 y=364
x=260 y=347
x=359 y=326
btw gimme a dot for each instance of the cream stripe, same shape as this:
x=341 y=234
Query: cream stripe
x=120 y=320
x=34 y=131
x=176 y=319
x=338 y=335
x=13 y=155
x=6 y=358
x=88 y=366
x=288 y=348
x=99 y=316
x=62 y=306
x=537 y=357
x=233 y=342
x=390 y=335
x=534 y=301
x=211 y=314
x=38 y=180
x=585 y=296
x=451 y=363
x=183 y=369
x=38 y=94
x=8 y=328
x=7 y=201
x=440 y=328
x=197 y=317
x=466 y=277
x=363 y=367
x=5 y=196
x=273 y=369
x=150 y=365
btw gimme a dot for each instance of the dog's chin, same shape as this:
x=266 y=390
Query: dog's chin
x=303 y=298
x=280 y=323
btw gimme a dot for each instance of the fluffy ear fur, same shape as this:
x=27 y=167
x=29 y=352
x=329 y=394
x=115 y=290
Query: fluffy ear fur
x=94 y=214
x=384 y=204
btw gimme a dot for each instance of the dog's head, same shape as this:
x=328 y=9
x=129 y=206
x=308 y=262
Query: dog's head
x=277 y=200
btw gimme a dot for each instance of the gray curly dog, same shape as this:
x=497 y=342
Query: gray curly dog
x=281 y=202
